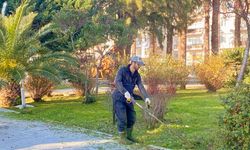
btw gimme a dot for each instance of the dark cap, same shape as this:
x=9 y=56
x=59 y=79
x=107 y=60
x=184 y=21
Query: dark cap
x=137 y=59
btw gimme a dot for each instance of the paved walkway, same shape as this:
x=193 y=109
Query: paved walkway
x=28 y=135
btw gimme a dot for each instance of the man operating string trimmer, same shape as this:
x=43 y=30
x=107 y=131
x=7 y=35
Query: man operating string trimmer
x=125 y=81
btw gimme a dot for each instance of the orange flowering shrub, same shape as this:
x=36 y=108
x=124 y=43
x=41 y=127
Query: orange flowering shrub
x=213 y=73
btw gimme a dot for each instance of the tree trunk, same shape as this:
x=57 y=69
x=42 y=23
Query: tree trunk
x=170 y=32
x=206 y=34
x=245 y=58
x=128 y=50
x=153 y=43
x=182 y=35
x=120 y=50
x=97 y=80
x=133 y=48
x=182 y=43
x=215 y=27
x=237 y=22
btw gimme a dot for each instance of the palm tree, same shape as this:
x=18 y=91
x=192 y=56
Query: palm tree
x=21 y=54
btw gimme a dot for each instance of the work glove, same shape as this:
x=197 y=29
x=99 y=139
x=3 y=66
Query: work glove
x=148 y=102
x=127 y=95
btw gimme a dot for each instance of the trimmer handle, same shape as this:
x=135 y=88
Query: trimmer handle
x=148 y=106
x=130 y=100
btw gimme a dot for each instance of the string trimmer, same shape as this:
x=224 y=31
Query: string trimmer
x=132 y=100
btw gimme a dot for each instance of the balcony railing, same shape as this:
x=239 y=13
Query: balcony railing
x=195 y=46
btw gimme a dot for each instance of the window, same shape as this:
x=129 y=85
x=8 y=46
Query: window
x=194 y=41
x=138 y=42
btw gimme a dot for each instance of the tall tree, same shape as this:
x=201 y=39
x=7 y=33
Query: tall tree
x=206 y=6
x=47 y=9
x=119 y=18
x=185 y=16
x=215 y=26
x=162 y=18
x=169 y=25
x=182 y=44
x=170 y=34
x=182 y=48
x=237 y=22
x=243 y=10
x=153 y=43
x=127 y=17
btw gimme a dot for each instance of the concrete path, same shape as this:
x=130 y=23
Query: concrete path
x=27 y=135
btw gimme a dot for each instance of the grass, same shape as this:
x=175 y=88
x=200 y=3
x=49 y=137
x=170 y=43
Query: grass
x=63 y=86
x=192 y=118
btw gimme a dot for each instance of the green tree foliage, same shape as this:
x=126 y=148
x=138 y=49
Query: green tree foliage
x=21 y=53
x=234 y=58
x=46 y=9
x=79 y=29
x=235 y=120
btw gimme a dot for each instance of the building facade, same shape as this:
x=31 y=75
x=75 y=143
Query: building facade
x=143 y=44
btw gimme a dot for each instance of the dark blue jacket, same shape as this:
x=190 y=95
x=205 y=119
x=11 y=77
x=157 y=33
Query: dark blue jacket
x=126 y=81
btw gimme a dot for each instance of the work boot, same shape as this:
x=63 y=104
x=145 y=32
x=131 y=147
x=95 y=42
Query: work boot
x=129 y=135
x=123 y=139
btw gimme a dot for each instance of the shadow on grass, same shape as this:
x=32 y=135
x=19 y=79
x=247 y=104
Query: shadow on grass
x=65 y=99
x=191 y=93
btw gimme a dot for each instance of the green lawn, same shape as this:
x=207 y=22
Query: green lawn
x=63 y=86
x=192 y=118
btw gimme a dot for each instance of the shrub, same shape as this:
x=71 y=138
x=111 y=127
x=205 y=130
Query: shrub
x=79 y=77
x=10 y=93
x=233 y=58
x=176 y=73
x=158 y=108
x=106 y=69
x=164 y=73
x=153 y=74
x=213 y=73
x=38 y=87
x=79 y=85
x=236 y=119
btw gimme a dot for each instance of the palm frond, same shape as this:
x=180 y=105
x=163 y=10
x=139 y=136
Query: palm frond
x=55 y=58
x=11 y=25
x=46 y=72
x=21 y=51
x=3 y=83
x=2 y=41
x=25 y=23
x=45 y=30
x=2 y=36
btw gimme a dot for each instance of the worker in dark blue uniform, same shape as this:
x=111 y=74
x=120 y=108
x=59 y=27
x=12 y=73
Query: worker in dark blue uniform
x=125 y=81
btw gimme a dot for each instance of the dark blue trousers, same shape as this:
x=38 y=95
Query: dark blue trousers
x=125 y=113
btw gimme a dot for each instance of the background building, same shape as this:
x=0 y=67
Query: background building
x=144 y=43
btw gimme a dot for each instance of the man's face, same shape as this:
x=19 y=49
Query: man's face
x=136 y=66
